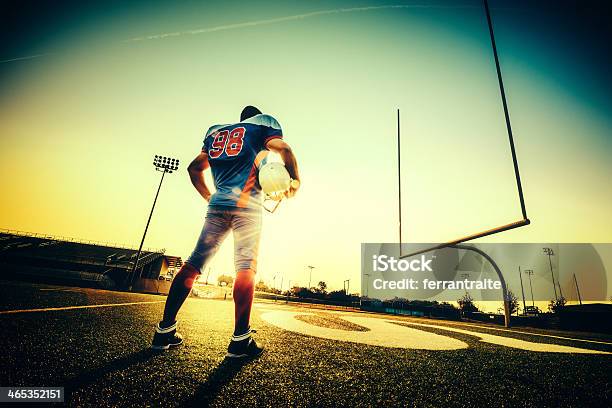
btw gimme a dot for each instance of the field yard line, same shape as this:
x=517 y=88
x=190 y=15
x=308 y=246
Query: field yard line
x=512 y=342
x=607 y=343
x=51 y=309
x=537 y=334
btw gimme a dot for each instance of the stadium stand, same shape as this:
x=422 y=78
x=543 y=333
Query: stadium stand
x=53 y=259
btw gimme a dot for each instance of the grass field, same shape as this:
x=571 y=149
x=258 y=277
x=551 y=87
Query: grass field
x=95 y=344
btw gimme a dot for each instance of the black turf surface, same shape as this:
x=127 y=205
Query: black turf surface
x=101 y=356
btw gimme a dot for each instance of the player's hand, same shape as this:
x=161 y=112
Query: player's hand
x=293 y=188
x=207 y=197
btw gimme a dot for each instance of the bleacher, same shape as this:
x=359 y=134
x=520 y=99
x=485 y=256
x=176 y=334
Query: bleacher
x=71 y=261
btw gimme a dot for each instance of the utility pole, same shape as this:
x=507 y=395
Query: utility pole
x=522 y=289
x=529 y=272
x=577 y=290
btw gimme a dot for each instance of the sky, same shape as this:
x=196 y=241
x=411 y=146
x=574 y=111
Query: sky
x=89 y=93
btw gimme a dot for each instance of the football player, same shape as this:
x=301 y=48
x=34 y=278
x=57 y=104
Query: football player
x=234 y=153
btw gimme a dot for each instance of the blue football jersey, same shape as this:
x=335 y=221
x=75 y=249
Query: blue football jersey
x=235 y=153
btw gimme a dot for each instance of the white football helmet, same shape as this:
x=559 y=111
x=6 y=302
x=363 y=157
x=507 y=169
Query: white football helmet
x=275 y=182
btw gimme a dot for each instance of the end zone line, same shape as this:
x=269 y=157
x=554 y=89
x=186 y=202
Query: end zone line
x=52 y=309
x=535 y=334
x=523 y=332
x=468 y=324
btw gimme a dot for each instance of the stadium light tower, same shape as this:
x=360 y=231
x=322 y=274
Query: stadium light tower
x=550 y=252
x=346 y=284
x=310 y=276
x=367 y=283
x=165 y=165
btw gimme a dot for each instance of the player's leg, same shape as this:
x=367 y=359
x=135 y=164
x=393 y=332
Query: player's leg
x=244 y=287
x=247 y=229
x=216 y=227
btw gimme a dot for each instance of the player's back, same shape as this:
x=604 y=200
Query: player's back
x=232 y=151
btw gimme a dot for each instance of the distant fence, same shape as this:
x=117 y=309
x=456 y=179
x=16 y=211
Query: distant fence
x=589 y=317
x=325 y=303
x=415 y=310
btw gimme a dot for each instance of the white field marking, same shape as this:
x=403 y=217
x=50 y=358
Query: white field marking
x=271 y=309
x=607 y=343
x=381 y=332
x=52 y=309
x=512 y=342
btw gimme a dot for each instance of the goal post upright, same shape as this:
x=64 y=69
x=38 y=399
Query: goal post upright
x=516 y=224
x=399 y=181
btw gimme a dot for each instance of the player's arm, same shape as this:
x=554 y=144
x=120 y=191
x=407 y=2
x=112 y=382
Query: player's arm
x=196 y=174
x=284 y=150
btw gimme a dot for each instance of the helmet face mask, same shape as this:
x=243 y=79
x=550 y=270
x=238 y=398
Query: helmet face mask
x=276 y=196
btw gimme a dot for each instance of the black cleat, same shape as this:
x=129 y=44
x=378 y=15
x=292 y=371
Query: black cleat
x=244 y=346
x=166 y=338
